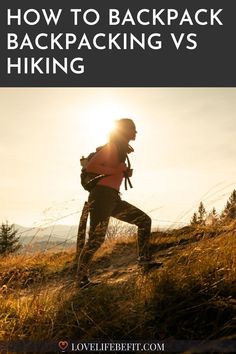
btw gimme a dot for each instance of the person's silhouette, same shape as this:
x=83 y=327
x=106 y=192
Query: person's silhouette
x=104 y=199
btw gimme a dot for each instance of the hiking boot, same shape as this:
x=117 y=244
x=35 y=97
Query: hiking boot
x=143 y=259
x=85 y=281
x=146 y=263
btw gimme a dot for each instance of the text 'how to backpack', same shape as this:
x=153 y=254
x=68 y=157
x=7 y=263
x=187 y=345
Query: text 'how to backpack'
x=89 y=179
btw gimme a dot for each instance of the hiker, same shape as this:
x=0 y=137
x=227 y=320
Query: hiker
x=105 y=201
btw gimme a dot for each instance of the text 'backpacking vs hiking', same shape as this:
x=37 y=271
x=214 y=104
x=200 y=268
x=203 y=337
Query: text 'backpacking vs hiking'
x=136 y=30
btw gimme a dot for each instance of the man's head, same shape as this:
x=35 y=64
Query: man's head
x=126 y=128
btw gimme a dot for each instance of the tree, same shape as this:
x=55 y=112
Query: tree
x=213 y=217
x=229 y=212
x=199 y=217
x=9 y=241
x=213 y=212
x=194 y=221
x=201 y=214
x=117 y=228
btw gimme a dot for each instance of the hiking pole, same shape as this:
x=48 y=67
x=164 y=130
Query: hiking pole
x=82 y=230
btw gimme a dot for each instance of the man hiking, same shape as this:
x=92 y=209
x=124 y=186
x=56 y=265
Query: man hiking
x=104 y=198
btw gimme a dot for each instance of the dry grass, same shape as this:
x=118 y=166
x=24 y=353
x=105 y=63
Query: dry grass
x=192 y=297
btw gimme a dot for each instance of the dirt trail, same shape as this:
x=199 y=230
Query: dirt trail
x=120 y=262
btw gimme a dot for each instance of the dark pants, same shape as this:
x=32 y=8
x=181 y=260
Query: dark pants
x=103 y=203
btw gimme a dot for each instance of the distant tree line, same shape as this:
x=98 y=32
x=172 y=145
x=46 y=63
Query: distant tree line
x=201 y=217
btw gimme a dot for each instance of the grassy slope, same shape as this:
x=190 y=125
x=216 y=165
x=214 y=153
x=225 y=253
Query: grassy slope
x=193 y=296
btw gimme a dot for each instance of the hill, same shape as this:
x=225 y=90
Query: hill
x=192 y=296
x=62 y=232
x=53 y=237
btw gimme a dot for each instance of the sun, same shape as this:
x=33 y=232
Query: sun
x=99 y=119
x=102 y=124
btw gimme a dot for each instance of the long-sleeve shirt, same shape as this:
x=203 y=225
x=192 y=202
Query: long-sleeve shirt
x=106 y=161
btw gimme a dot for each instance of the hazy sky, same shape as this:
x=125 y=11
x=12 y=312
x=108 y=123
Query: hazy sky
x=184 y=152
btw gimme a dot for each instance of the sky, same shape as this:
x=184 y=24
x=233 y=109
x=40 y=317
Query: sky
x=184 y=152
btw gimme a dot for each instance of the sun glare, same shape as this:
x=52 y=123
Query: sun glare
x=99 y=119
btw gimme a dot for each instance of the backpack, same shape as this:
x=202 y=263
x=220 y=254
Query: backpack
x=89 y=179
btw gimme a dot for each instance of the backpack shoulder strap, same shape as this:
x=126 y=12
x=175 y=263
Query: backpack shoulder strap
x=127 y=179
